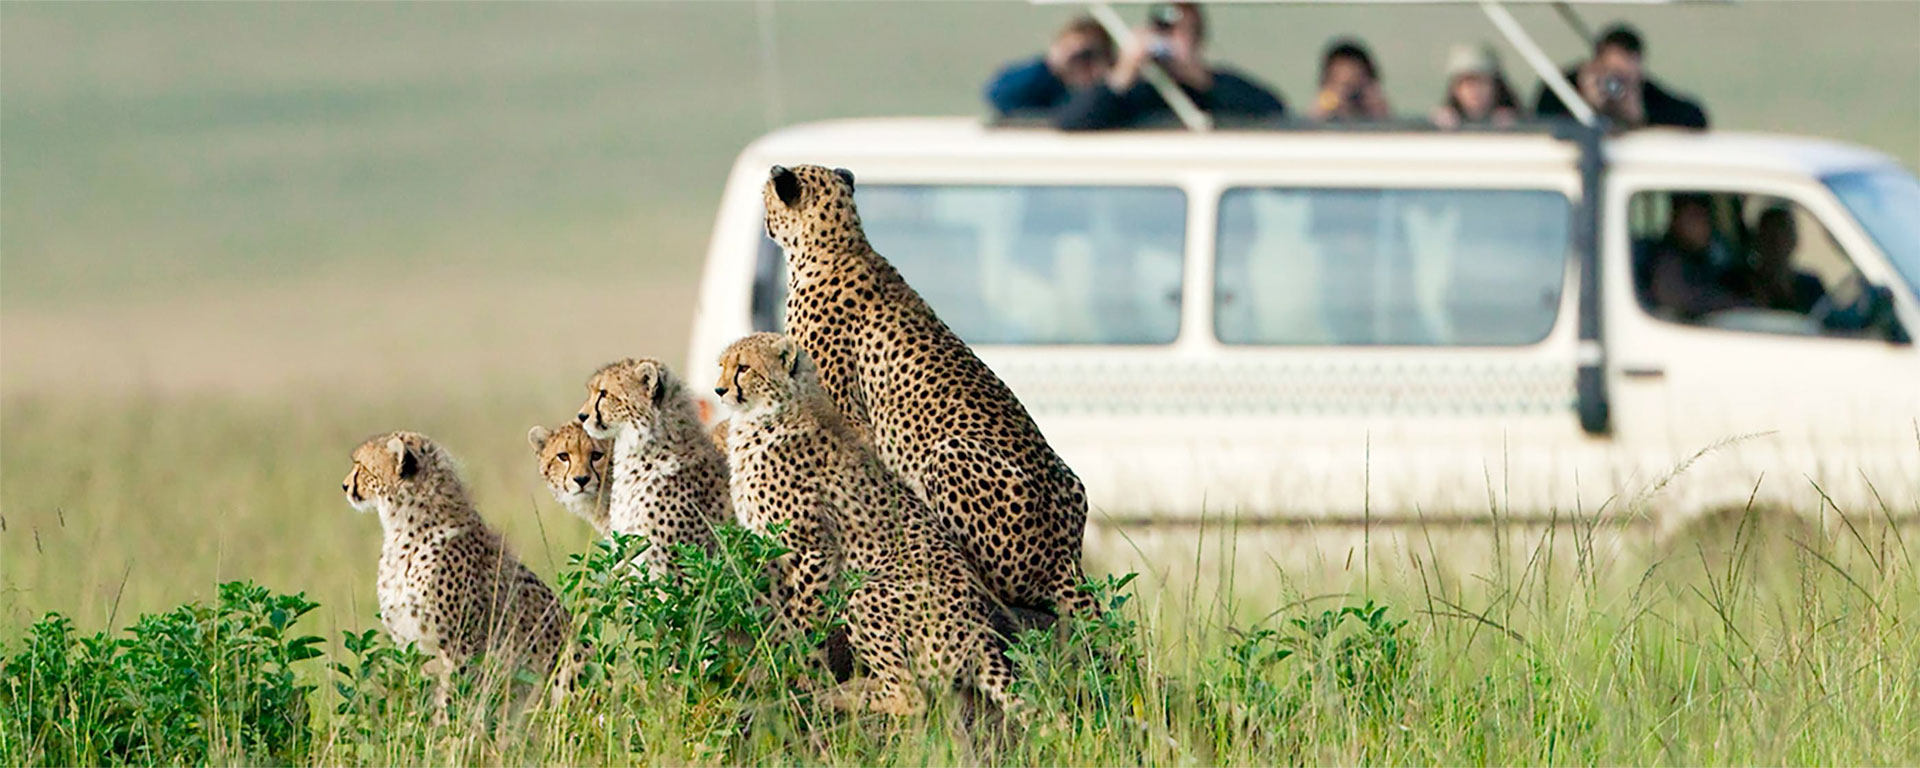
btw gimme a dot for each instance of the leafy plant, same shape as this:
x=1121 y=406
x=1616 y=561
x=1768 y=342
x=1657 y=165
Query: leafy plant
x=698 y=640
x=379 y=685
x=1356 y=652
x=1091 y=665
x=182 y=686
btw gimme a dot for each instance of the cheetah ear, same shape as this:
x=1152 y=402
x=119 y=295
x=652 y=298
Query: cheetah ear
x=408 y=465
x=845 y=175
x=802 y=362
x=656 y=384
x=786 y=185
x=537 y=437
x=789 y=354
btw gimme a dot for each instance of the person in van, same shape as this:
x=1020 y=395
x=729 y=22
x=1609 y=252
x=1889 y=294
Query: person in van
x=1773 y=283
x=1614 y=82
x=1681 y=281
x=1477 y=91
x=1080 y=55
x=1349 y=85
x=1174 y=38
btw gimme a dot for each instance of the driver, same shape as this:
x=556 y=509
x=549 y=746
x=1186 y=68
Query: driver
x=1774 y=283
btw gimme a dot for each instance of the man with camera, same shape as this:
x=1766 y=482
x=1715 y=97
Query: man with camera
x=1615 y=84
x=1171 y=39
x=1349 y=85
x=1080 y=55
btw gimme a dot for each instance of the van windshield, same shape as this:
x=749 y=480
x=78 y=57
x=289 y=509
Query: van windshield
x=1887 y=204
x=1024 y=264
x=1400 y=267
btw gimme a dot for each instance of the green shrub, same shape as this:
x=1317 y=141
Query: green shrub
x=184 y=686
x=1356 y=654
x=688 y=661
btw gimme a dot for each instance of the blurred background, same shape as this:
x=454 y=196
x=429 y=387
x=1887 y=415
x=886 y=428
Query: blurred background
x=235 y=239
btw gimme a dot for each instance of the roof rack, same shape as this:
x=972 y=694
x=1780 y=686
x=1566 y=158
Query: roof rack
x=1197 y=119
x=1559 y=127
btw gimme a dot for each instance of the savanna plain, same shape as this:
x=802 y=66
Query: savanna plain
x=236 y=239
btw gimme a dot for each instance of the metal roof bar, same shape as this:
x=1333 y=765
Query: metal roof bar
x=1190 y=114
x=1542 y=65
x=1572 y=18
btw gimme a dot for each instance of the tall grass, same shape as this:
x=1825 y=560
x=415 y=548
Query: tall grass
x=1761 y=637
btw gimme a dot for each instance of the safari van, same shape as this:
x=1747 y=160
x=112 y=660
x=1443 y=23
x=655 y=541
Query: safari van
x=1325 y=325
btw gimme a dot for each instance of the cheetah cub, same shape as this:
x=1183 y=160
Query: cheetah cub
x=575 y=468
x=447 y=582
x=669 y=482
x=919 y=616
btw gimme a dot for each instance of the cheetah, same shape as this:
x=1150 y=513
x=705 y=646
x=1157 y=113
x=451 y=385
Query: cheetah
x=918 y=616
x=447 y=582
x=669 y=481
x=935 y=413
x=575 y=468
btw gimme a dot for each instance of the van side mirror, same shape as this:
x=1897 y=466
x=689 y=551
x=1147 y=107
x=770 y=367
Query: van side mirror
x=1881 y=316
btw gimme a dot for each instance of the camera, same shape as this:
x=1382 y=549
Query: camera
x=1613 y=87
x=1161 y=19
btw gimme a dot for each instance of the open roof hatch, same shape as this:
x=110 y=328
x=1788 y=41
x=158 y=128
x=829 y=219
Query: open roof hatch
x=1197 y=119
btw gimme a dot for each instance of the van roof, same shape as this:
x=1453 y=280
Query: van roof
x=909 y=137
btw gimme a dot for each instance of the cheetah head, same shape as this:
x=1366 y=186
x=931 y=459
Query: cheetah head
x=572 y=462
x=629 y=393
x=808 y=204
x=763 y=369
x=391 y=468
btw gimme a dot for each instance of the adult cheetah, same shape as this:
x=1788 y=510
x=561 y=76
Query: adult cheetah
x=447 y=582
x=669 y=481
x=575 y=467
x=935 y=413
x=918 y=616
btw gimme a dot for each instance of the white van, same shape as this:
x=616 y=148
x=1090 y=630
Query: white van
x=1398 y=324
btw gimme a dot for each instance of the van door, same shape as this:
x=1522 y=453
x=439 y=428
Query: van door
x=1395 y=353
x=1743 y=343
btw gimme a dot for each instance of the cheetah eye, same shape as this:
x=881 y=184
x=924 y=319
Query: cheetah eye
x=596 y=455
x=561 y=456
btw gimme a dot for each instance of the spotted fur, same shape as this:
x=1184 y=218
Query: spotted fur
x=935 y=413
x=669 y=481
x=919 y=616
x=446 y=581
x=575 y=467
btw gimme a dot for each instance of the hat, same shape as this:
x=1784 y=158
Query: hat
x=1472 y=60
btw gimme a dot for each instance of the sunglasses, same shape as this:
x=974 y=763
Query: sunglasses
x=1164 y=16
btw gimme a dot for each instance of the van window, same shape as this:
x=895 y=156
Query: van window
x=1389 y=266
x=1884 y=202
x=1023 y=264
x=1747 y=262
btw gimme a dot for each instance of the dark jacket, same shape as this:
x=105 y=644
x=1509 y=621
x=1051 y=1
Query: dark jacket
x=1026 y=87
x=1231 y=96
x=1663 y=107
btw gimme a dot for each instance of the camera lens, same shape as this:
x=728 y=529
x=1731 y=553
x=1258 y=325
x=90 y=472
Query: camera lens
x=1614 y=86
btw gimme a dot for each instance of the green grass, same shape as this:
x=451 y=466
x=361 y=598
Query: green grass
x=1755 y=640
x=236 y=239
